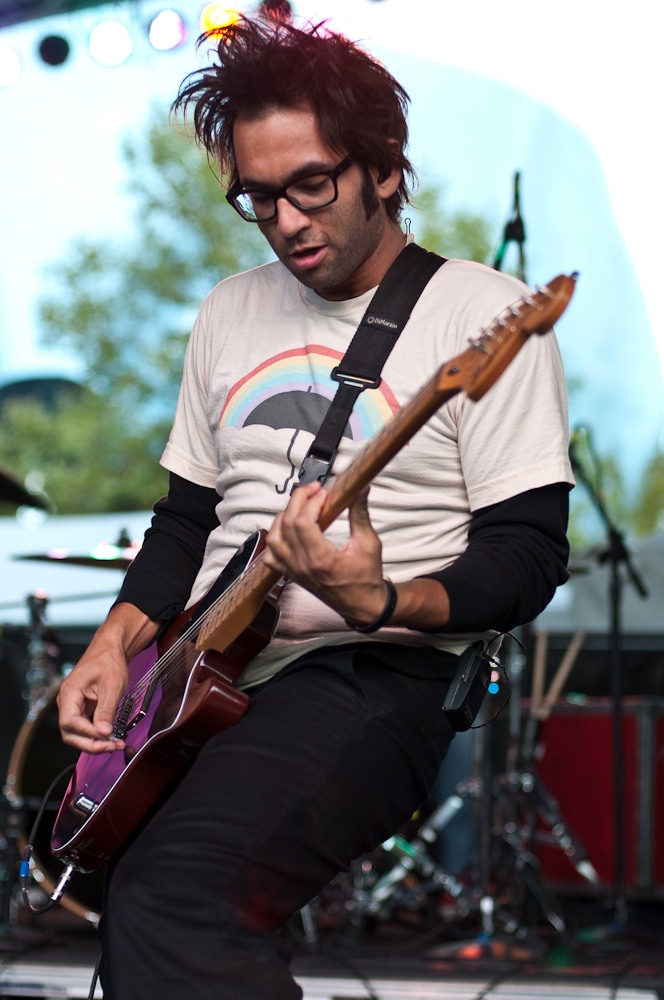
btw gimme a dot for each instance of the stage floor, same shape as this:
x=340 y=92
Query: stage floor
x=22 y=977
x=626 y=967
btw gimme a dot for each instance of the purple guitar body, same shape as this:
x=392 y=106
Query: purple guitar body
x=177 y=699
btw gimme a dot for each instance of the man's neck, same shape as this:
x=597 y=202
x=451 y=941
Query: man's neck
x=372 y=271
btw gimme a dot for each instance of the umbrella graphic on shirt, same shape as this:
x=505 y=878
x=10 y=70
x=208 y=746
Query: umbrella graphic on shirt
x=303 y=411
x=294 y=389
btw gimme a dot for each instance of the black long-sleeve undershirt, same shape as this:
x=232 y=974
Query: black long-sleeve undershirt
x=160 y=579
x=516 y=557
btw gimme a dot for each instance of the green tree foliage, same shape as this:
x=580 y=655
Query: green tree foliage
x=639 y=515
x=127 y=311
x=585 y=526
x=462 y=235
x=648 y=512
x=90 y=456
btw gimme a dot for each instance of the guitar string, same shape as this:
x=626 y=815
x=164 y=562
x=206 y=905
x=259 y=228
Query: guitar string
x=164 y=668
x=160 y=670
x=168 y=666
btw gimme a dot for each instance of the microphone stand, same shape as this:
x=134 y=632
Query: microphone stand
x=616 y=554
x=514 y=232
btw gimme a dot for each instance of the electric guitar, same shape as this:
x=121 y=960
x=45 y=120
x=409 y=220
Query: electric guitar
x=181 y=688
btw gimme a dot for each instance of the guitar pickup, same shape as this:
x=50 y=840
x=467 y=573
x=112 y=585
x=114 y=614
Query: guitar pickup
x=86 y=805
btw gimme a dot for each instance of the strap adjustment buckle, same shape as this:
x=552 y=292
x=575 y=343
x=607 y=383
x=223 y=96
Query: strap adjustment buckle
x=355 y=381
x=314 y=469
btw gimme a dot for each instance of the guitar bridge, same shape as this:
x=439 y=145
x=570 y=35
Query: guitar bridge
x=120 y=725
x=135 y=721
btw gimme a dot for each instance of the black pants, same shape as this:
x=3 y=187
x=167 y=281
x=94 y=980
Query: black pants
x=331 y=758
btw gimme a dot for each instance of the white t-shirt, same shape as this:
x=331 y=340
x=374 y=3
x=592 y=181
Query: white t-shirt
x=256 y=385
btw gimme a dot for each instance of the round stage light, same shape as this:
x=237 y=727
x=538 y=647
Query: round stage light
x=10 y=65
x=218 y=15
x=110 y=43
x=167 y=30
x=54 y=50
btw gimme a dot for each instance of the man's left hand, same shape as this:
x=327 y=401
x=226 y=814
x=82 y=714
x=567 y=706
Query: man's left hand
x=348 y=579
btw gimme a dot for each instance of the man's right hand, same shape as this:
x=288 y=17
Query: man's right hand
x=89 y=696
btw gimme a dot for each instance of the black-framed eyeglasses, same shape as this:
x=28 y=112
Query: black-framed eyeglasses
x=307 y=194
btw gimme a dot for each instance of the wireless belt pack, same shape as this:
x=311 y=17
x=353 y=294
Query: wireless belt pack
x=468 y=688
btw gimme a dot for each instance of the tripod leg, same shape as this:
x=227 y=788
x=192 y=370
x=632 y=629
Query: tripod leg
x=548 y=808
x=542 y=896
x=308 y=924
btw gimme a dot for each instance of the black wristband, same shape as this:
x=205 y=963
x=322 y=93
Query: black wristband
x=384 y=616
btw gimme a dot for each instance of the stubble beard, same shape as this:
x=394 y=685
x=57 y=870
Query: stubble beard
x=363 y=231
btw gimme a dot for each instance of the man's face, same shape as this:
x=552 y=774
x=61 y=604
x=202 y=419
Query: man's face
x=324 y=248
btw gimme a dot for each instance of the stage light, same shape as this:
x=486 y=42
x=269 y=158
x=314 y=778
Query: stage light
x=10 y=65
x=218 y=15
x=54 y=50
x=110 y=43
x=167 y=30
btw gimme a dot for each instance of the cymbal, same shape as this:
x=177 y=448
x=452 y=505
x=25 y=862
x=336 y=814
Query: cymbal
x=11 y=491
x=119 y=555
x=117 y=562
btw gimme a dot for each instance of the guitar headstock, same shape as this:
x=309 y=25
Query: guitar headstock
x=488 y=356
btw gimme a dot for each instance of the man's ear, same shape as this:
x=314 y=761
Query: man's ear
x=387 y=183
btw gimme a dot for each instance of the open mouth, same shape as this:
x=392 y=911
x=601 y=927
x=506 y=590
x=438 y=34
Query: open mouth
x=308 y=256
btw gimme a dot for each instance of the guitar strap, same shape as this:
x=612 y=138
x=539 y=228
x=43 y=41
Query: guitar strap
x=372 y=343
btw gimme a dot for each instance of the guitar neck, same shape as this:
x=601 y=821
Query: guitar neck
x=347 y=486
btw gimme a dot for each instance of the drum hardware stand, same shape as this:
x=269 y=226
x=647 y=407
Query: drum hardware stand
x=504 y=813
x=12 y=936
x=42 y=668
x=521 y=795
x=371 y=895
x=41 y=671
x=616 y=554
x=489 y=858
x=505 y=817
x=413 y=856
x=527 y=780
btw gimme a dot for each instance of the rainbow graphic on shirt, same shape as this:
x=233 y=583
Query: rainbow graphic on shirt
x=294 y=389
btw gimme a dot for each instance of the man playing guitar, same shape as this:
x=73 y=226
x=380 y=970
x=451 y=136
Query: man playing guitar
x=344 y=735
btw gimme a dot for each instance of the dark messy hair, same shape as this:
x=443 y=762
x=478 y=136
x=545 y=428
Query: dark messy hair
x=260 y=64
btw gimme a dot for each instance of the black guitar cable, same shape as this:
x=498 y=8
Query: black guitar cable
x=95 y=978
x=63 y=882
x=24 y=870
